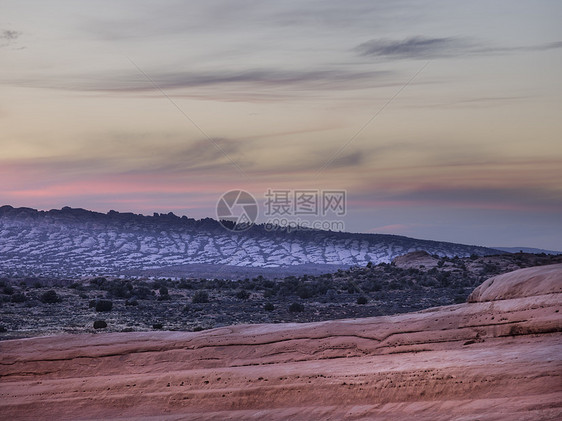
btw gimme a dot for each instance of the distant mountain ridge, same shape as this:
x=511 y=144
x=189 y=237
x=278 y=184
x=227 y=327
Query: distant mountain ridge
x=78 y=242
x=527 y=250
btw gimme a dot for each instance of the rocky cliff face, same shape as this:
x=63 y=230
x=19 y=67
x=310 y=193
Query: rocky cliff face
x=499 y=357
x=74 y=242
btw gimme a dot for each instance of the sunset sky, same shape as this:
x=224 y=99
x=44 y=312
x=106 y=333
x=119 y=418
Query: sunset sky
x=441 y=119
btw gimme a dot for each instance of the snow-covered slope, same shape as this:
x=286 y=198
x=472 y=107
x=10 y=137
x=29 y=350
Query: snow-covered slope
x=71 y=242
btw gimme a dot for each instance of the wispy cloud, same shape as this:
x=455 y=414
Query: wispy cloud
x=8 y=37
x=403 y=229
x=507 y=198
x=258 y=79
x=420 y=47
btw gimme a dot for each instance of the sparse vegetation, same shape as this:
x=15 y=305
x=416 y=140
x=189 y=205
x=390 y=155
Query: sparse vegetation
x=357 y=292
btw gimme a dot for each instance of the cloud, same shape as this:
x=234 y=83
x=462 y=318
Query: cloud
x=547 y=46
x=8 y=37
x=415 y=47
x=257 y=78
x=525 y=49
x=520 y=199
x=420 y=47
x=352 y=160
x=395 y=229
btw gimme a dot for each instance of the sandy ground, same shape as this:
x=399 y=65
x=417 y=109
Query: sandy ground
x=492 y=359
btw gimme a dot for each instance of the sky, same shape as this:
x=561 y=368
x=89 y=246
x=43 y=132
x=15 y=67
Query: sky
x=439 y=119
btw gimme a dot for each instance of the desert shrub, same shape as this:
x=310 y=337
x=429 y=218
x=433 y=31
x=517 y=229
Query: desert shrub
x=118 y=289
x=362 y=300
x=142 y=292
x=98 y=282
x=296 y=308
x=269 y=292
x=200 y=296
x=157 y=326
x=104 y=305
x=18 y=298
x=459 y=299
x=443 y=279
x=351 y=288
x=373 y=285
x=268 y=307
x=395 y=285
x=31 y=303
x=100 y=324
x=304 y=292
x=331 y=294
x=131 y=302
x=268 y=283
x=50 y=297
x=185 y=284
x=3 y=329
x=92 y=304
x=164 y=294
x=37 y=285
x=243 y=294
x=8 y=290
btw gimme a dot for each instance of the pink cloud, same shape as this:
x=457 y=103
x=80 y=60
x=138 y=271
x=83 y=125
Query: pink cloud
x=394 y=229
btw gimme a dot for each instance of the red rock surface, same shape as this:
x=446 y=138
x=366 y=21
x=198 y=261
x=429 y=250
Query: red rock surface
x=521 y=283
x=487 y=360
